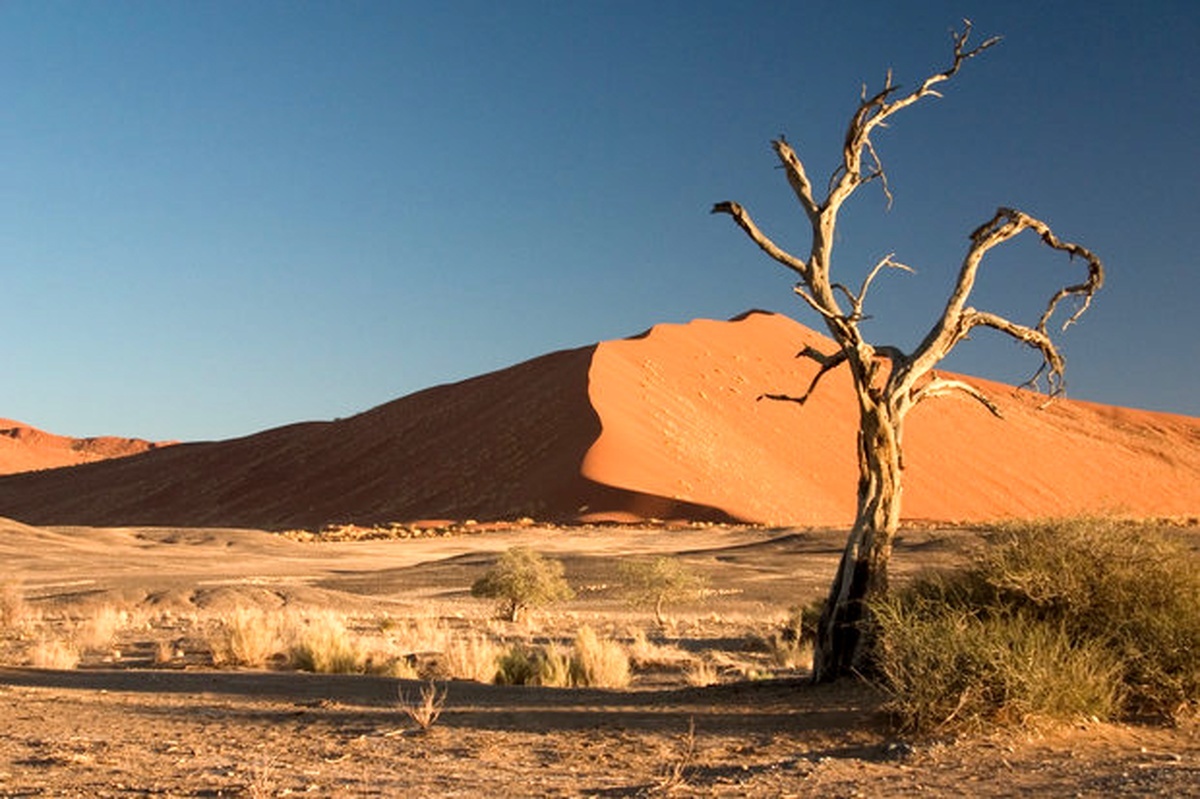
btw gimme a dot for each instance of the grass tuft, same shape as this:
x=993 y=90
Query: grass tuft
x=53 y=654
x=426 y=710
x=246 y=637
x=597 y=662
x=14 y=611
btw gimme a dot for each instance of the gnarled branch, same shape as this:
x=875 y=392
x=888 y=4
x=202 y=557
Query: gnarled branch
x=940 y=386
x=874 y=111
x=957 y=320
x=797 y=177
x=828 y=363
x=743 y=220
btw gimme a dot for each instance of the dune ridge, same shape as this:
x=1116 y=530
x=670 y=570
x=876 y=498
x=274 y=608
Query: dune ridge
x=24 y=448
x=667 y=424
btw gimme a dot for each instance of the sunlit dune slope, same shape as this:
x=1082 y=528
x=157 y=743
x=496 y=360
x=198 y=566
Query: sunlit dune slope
x=24 y=448
x=668 y=424
x=681 y=418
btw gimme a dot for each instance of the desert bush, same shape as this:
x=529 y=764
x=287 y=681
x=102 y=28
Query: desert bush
x=522 y=664
x=655 y=582
x=1052 y=619
x=426 y=710
x=597 y=662
x=53 y=654
x=949 y=666
x=246 y=637
x=523 y=579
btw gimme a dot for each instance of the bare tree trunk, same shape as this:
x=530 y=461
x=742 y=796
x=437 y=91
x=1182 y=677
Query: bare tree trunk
x=884 y=398
x=843 y=633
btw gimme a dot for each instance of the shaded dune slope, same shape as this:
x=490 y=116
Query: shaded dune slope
x=665 y=425
x=499 y=446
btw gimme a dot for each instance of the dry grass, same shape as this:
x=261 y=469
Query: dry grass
x=675 y=771
x=1054 y=620
x=598 y=662
x=14 y=611
x=646 y=654
x=53 y=653
x=701 y=673
x=98 y=632
x=523 y=664
x=471 y=657
x=321 y=643
x=419 y=635
x=246 y=637
x=426 y=710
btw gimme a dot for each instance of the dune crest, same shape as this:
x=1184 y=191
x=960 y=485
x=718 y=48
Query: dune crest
x=667 y=425
x=24 y=448
x=680 y=416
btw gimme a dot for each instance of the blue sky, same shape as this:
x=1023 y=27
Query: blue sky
x=218 y=217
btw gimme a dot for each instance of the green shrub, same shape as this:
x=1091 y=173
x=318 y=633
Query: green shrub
x=654 y=583
x=946 y=666
x=522 y=579
x=1058 y=619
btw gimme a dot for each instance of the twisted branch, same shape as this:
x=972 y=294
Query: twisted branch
x=828 y=364
x=940 y=386
x=743 y=220
x=957 y=321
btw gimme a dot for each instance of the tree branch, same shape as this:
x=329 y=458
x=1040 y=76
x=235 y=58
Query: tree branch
x=957 y=321
x=1036 y=338
x=743 y=220
x=874 y=111
x=941 y=386
x=796 y=176
x=828 y=363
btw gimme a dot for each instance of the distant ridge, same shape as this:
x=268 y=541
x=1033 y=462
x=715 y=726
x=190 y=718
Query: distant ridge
x=667 y=424
x=25 y=448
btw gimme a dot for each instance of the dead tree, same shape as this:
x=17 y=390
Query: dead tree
x=889 y=382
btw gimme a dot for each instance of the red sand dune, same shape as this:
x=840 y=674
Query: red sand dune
x=25 y=449
x=664 y=425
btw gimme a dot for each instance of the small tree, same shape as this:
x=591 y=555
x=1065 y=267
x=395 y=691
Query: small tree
x=654 y=583
x=889 y=382
x=522 y=579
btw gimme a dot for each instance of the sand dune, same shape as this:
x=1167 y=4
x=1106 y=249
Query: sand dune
x=24 y=448
x=667 y=425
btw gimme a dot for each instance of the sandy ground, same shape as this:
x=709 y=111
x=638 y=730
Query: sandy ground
x=116 y=726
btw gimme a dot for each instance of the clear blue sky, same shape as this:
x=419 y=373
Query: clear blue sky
x=218 y=217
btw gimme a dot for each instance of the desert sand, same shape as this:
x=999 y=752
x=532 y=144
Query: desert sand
x=126 y=724
x=664 y=425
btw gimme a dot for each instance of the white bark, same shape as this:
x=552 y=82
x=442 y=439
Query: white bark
x=888 y=381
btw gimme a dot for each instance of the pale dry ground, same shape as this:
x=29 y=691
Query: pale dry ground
x=118 y=726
